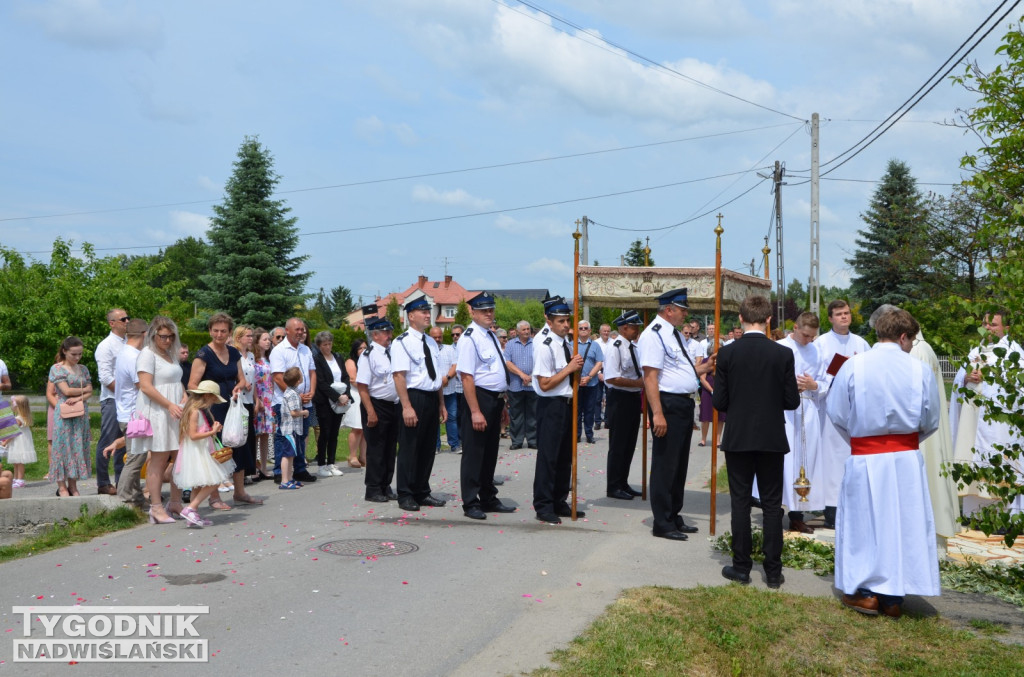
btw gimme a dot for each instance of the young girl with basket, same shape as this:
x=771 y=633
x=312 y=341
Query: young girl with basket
x=197 y=466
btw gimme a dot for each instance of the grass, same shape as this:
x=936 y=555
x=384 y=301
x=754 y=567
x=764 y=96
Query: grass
x=1005 y=582
x=82 y=529
x=739 y=630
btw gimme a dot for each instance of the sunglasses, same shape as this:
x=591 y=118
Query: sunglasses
x=165 y=337
x=122 y=319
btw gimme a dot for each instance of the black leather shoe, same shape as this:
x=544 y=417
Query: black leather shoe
x=670 y=535
x=304 y=477
x=756 y=503
x=498 y=482
x=620 y=494
x=408 y=504
x=734 y=574
x=498 y=506
x=531 y=446
x=633 y=491
x=590 y=440
x=475 y=514
x=431 y=501
x=548 y=518
x=390 y=494
x=775 y=582
x=377 y=498
x=684 y=527
x=516 y=446
x=566 y=511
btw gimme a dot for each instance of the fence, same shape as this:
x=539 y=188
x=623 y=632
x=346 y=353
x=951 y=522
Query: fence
x=949 y=365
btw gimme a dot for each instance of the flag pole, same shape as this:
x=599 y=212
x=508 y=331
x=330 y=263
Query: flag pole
x=643 y=400
x=714 y=412
x=575 y=351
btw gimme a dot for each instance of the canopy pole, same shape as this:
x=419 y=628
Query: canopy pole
x=714 y=412
x=575 y=351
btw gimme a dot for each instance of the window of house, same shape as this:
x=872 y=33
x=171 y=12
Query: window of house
x=449 y=311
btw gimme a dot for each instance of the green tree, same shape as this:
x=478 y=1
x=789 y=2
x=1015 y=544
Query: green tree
x=635 y=255
x=998 y=120
x=69 y=295
x=254 y=275
x=890 y=260
x=958 y=250
x=341 y=300
x=462 y=314
x=508 y=312
x=394 y=315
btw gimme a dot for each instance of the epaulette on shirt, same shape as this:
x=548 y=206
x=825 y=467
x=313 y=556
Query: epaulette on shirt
x=368 y=349
x=656 y=327
x=618 y=342
x=547 y=341
x=468 y=332
x=403 y=335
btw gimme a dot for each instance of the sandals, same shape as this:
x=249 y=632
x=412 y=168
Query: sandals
x=354 y=463
x=247 y=499
x=217 y=504
x=289 y=485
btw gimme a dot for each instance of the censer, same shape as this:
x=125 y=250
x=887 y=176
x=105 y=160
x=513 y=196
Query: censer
x=802 y=485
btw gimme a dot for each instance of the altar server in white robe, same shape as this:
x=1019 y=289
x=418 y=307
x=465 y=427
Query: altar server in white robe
x=974 y=438
x=803 y=426
x=834 y=449
x=884 y=402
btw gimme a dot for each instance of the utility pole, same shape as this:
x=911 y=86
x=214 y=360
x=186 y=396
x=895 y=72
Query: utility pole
x=780 y=286
x=813 y=289
x=584 y=244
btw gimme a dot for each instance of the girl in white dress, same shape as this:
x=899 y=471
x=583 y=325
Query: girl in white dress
x=195 y=468
x=21 y=450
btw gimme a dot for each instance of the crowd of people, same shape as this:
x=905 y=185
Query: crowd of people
x=797 y=414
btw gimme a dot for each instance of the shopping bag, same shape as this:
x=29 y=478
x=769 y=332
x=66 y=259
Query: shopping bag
x=236 y=425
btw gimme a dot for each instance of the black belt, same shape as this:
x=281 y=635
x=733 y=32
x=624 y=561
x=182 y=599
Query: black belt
x=382 y=401
x=678 y=394
x=492 y=393
x=425 y=392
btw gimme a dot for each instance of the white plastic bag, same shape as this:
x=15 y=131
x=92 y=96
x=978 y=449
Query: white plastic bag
x=236 y=425
x=341 y=389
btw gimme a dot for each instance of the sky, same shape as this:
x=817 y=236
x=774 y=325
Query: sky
x=490 y=123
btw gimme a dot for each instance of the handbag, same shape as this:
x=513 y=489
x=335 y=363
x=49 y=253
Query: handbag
x=138 y=426
x=75 y=410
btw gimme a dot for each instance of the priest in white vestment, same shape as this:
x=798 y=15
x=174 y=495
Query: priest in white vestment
x=884 y=402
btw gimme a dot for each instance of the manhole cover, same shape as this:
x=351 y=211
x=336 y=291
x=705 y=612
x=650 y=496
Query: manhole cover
x=193 y=579
x=368 y=547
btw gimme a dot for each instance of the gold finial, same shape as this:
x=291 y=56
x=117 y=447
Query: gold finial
x=718 y=229
x=766 y=250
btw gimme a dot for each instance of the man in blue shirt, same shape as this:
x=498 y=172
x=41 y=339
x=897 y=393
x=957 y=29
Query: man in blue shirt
x=590 y=393
x=522 y=401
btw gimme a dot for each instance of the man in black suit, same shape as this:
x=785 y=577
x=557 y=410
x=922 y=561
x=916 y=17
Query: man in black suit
x=755 y=382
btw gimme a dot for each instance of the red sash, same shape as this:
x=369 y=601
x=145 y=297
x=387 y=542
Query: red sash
x=883 y=444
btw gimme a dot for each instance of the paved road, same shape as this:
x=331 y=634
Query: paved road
x=475 y=598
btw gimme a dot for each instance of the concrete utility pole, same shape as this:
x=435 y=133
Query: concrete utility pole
x=584 y=249
x=813 y=290
x=780 y=283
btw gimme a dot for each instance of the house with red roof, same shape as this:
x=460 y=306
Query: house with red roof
x=443 y=295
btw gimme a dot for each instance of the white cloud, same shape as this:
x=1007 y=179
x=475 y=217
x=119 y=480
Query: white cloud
x=451 y=198
x=189 y=223
x=374 y=130
x=390 y=85
x=206 y=183
x=551 y=268
x=533 y=229
x=98 y=25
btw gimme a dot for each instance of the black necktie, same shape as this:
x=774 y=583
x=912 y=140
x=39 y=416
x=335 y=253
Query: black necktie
x=636 y=365
x=429 y=360
x=568 y=358
x=508 y=376
x=387 y=351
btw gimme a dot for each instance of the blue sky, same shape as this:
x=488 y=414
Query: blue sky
x=112 y=105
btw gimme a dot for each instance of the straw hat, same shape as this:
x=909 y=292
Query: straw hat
x=208 y=388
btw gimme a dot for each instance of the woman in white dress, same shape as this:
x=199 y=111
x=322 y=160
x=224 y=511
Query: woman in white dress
x=352 y=420
x=160 y=400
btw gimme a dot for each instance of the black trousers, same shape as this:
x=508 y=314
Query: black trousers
x=623 y=415
x=327 y=439
x=670 y=456
x=522 y=413
x=417 y=444
x=480 y=449
x=743 y=467
x=380 y=445
x=553 y=478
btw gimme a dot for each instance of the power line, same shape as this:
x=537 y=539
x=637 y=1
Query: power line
x=904 y=108
x=475 y=214
x=635 y=55
x=408 y=177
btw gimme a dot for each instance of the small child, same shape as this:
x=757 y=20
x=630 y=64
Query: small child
x=195 y=468
x=292 y=414
x=21 y=450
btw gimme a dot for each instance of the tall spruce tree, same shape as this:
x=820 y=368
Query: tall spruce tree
x=253 y=276
x=635 y=255
x=890 y=263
